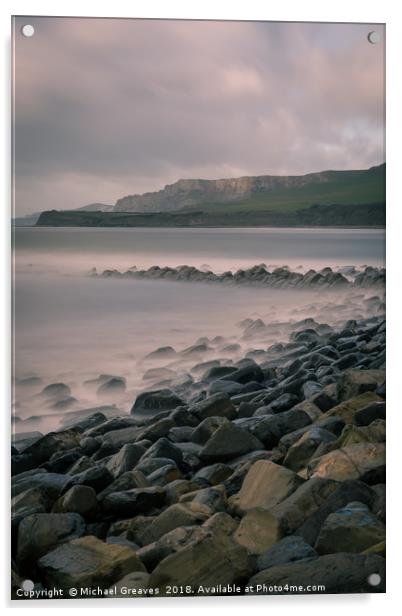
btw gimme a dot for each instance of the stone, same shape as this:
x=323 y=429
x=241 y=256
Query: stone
x=364 y=461
x=158 y=429
x=126 y=481
x=265 y=485
x=288 y=550
x=164 y=475
x=283 y=403
x=299 y=454
x=375 y=432
x=206 y=428
x=215 y=560
x=370 y=413
x=217 y=405
x=350 y=529
x=133 y=502
x=213 y=474
x=96 y=477
x=87 y=562
x=125 y=460
x=152 y=554
x=356 y=382
x=78 y=499
x=163 y=448
x=230 y=388
x=211 y=500
x=151 y=403
x=347 y=410
x=174 y=516
x=258 y=531
x=41 y=532
x=338 y=573
x=55 y=390
x=228 y=442
x=42 y=449
x=272 y=428
x=246 y=374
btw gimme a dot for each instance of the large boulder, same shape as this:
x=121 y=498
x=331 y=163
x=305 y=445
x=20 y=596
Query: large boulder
x=228 y=442
x=41 y=532
x=303 y=449
x=336 y=573
x=347 y=410
x=217 y=405
x=125 y=459
x=287 y=550
x=151 y=403
x=355 y=382
x=174 y=516
x=350 y=529
x=87 y=562
x=265 y=485
x=364 y=461
x=214 y=560
x=43 y=448
x=78 y=499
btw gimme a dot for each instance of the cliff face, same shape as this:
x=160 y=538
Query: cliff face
x=191 y=193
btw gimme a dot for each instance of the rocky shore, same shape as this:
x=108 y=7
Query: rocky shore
x=260 y=475
x=261 y=276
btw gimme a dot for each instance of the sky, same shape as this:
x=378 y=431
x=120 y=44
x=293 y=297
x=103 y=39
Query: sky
x=104 y=108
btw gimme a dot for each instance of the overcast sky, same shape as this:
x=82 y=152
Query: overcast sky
x=110 y=107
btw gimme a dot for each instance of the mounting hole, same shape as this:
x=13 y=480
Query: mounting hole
x=28 y=30
x=373 y=37
x=27 y=585
x=374 y=579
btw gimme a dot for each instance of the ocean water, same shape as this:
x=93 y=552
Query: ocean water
x=70 y=327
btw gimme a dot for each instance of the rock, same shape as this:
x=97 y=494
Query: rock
x=258 y=530
x=41 y=532
x=166 y=352
x=356 y=382
x=150 y=403
x=347 y=410
x=350 y=529
x=133 y=584
x=78 y=499
x=370 y=413
x=31 y=501
x=228 y=442
x=216 y=559
x=302 y=450
x=211 y=500
x=87 y=562
x=96 y=477
x=56 y=390
x=216 y=372
x=115 y=385
x=288 y=550
x=206 y=428
x=265 y=485
x=163 y=448
x=125 y=459
x=272 y=428
x=282 y=403
x=311 y=388
x=132 y=502
x=364 y=461
x=158 y=429
x=217 y=405
x=338 y=573
x=373 y=433
x=61 y=463
x=213 y=474
x=228 y=387
x=51 y=483
x=166 y=474
x=43 y=448
x=126 y=481
x=174 y=516
x=249 y=372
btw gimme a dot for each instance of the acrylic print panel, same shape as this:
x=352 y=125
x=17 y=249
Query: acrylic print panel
x=199 y=365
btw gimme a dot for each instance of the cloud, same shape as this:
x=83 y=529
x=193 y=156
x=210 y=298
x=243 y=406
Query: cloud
x=108 y=107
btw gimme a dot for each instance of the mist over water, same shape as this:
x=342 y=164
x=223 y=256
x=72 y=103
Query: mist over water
x=71 y=328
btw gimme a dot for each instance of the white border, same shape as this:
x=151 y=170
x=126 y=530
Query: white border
x=287 y=10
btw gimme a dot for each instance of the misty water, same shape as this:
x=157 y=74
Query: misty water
x=71 y=328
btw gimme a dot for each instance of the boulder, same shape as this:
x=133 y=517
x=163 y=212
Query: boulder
x=337 y=573
x=125 y=459
x=288 y=550
x=350 y=529
x=364 y=461
x=41 y=532
x=126 y=481
x=347 y=410
x=96 y=477
x=228 y=442
x=163 y=448
x=78 y=499
x=370 y=413
x=356 y=382
x=213 y=474
x=299 y=454
x=132 y=502
x=211 y=500
x=265 y=485
x=42 y=449
x=87 y=562
x=150 y=403
x=216 y=559
x=206 y=428
x=174 y=516
x=217 y=405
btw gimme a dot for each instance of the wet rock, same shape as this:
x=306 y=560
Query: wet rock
x=273 y=428
x=166 y=352
x=250 y=372
x=228 y=442
x=78 y=499
x=41 y=532
x=211 y=500
x=288 y=550
x=163 y=448
x=42 y=449
x=350 y=529
x=338 y=573
x=55 y=391
x=174 y=516
x=96 y=477
x=150 y=403
x=356 y=382
x=347 y=410
x=127 y=481
x=283 y=403
x=115 y=385
x=166 y=474
x=299 y=454
x=133 y=502
x=203 y=432
x=213 y=474
x=228 y=387
x=370 y=413
x=125 y=459
x=265 y=485
x=217 y=405
x=87 y=562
